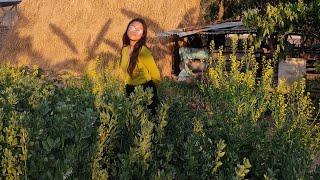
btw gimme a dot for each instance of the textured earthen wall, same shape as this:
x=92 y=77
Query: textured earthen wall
x=67 y=34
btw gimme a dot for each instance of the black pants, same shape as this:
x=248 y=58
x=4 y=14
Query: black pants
x=149 y=84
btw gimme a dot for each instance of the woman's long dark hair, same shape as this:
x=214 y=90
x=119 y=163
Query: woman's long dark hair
x=137 y=47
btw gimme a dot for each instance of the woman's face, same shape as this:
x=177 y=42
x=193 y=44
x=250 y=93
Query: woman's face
x=135 y=31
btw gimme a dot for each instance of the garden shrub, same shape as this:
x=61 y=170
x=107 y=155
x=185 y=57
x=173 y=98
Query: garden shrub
x=231 y=126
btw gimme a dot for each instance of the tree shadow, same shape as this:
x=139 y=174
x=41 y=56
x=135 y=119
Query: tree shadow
x=152 y=26
x=112 y=44
x=187 y=18
x=151 y=23
x=67 y=64
x=163 y=47
x=107 y=60
x=63 y=37
x=99 y=39
x=91 y=49
x=17 y=45
x=155 y=28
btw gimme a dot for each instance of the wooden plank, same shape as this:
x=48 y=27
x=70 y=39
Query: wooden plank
x=313 y=76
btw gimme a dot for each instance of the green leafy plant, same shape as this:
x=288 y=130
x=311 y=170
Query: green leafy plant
x=231 y=126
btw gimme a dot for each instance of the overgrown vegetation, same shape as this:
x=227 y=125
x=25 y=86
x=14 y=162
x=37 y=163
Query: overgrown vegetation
x=269 y=17
x=46 y=132
x=230 y=127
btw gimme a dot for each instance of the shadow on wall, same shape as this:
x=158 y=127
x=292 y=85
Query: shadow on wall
x=16 y=45
x=162 y=47
x=155 y=28
x=22 y=46
x=98 y=41
x=91 y=48
x=63 y=37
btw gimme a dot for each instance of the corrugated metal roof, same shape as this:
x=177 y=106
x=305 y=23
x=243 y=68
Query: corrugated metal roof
x=5 y=3
x=226 y=27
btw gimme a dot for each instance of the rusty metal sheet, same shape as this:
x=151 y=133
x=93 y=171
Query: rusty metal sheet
x=5 y=3
x=182 y=32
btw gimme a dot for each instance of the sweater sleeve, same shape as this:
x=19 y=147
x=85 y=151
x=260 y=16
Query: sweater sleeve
x=152 y=68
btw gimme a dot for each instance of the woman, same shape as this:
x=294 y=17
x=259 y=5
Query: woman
x=137 y=62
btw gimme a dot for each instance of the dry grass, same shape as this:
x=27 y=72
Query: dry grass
x=60 y=34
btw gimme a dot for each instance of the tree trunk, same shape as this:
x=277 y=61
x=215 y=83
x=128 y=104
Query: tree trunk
x=221 y=11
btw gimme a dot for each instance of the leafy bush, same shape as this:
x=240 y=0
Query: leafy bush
x=270 y=125
x=48 y=130
x=230 y=127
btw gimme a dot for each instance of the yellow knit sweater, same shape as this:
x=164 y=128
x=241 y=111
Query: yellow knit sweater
x=145 y=70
